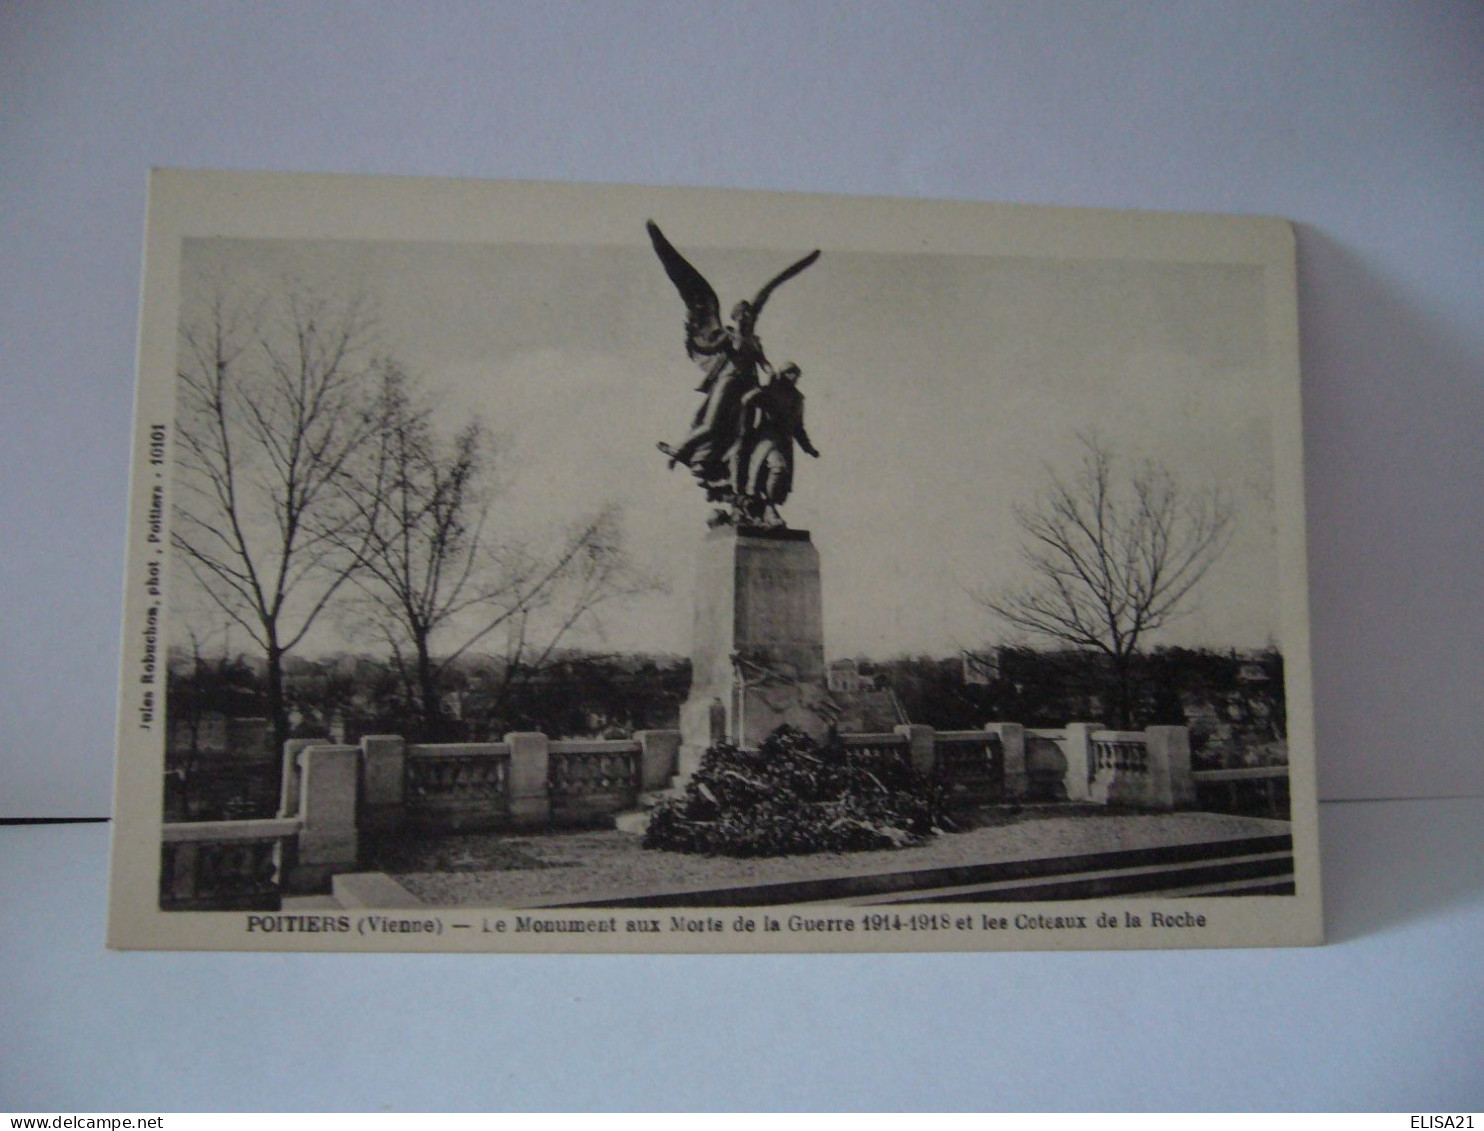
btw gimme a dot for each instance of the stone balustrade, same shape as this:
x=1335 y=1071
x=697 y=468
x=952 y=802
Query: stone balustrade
x=333 y=795
x=224 y=865
x=589 y=779
x=1147 y=769
x=887 y=742
x=970 y=764
x=1257 y=790
x=454 y=787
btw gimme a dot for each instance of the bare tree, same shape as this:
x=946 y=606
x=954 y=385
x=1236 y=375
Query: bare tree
x=269 y=412
x=416 y=513
x=588 y=568
x=1111 y=561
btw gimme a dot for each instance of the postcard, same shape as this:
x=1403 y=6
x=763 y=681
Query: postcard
x=522 y=567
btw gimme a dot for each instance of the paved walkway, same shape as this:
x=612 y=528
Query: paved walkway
x=514 y=871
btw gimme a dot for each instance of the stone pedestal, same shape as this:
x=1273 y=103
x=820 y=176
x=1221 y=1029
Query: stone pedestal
x=1080 y=766
x=383 y=782
x=1012 y=742
x=1172 y=787
x=530 y=800
x=328 y=842
x=757 y=644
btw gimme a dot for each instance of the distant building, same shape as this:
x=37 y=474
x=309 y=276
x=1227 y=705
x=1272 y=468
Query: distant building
x=845 y=676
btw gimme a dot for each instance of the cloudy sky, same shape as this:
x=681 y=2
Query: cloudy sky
x=939 y=388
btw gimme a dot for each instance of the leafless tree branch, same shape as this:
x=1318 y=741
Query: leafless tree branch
x=1109 y=561
x=416 y=512
x=269 y=410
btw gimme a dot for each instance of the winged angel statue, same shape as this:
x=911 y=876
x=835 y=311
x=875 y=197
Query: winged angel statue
x=740 y=446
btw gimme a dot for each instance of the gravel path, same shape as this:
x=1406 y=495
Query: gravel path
x=512 y=871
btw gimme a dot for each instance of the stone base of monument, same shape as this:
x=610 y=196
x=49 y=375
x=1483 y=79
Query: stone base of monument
x=757 y=642
x=757 y=648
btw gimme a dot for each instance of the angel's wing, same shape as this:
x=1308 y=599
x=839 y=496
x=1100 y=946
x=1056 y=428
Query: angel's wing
x=783 y=277
x=704 y=332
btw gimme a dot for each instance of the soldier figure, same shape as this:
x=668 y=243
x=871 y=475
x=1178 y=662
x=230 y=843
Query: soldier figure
x=740 y=443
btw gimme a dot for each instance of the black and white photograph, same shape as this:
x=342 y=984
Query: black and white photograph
x=535 y=567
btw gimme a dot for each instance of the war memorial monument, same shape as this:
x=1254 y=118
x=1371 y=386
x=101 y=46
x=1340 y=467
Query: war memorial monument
x=757 y=658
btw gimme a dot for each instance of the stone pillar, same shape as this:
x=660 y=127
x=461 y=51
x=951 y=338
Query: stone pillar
x=530 y=800
x=293 y=774
x=1078 y=749
x=757 y=643
x=659 y=758
x=328 y=842
x=921 y=751
x=384 y=770
x=1169 y=766
x=1012 y=743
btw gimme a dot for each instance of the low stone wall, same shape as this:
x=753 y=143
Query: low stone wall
x=1080 y=762
x=1148 y=769
x=333 y=795
x=224 y=865
x=1259 y=791
x=968 y=764
x=445 y=787
x=589 y=780
x=247 y=865
x=526 y=781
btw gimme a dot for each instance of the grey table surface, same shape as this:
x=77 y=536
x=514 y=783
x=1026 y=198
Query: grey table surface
x=1388 y=1015
x=1358 y=122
